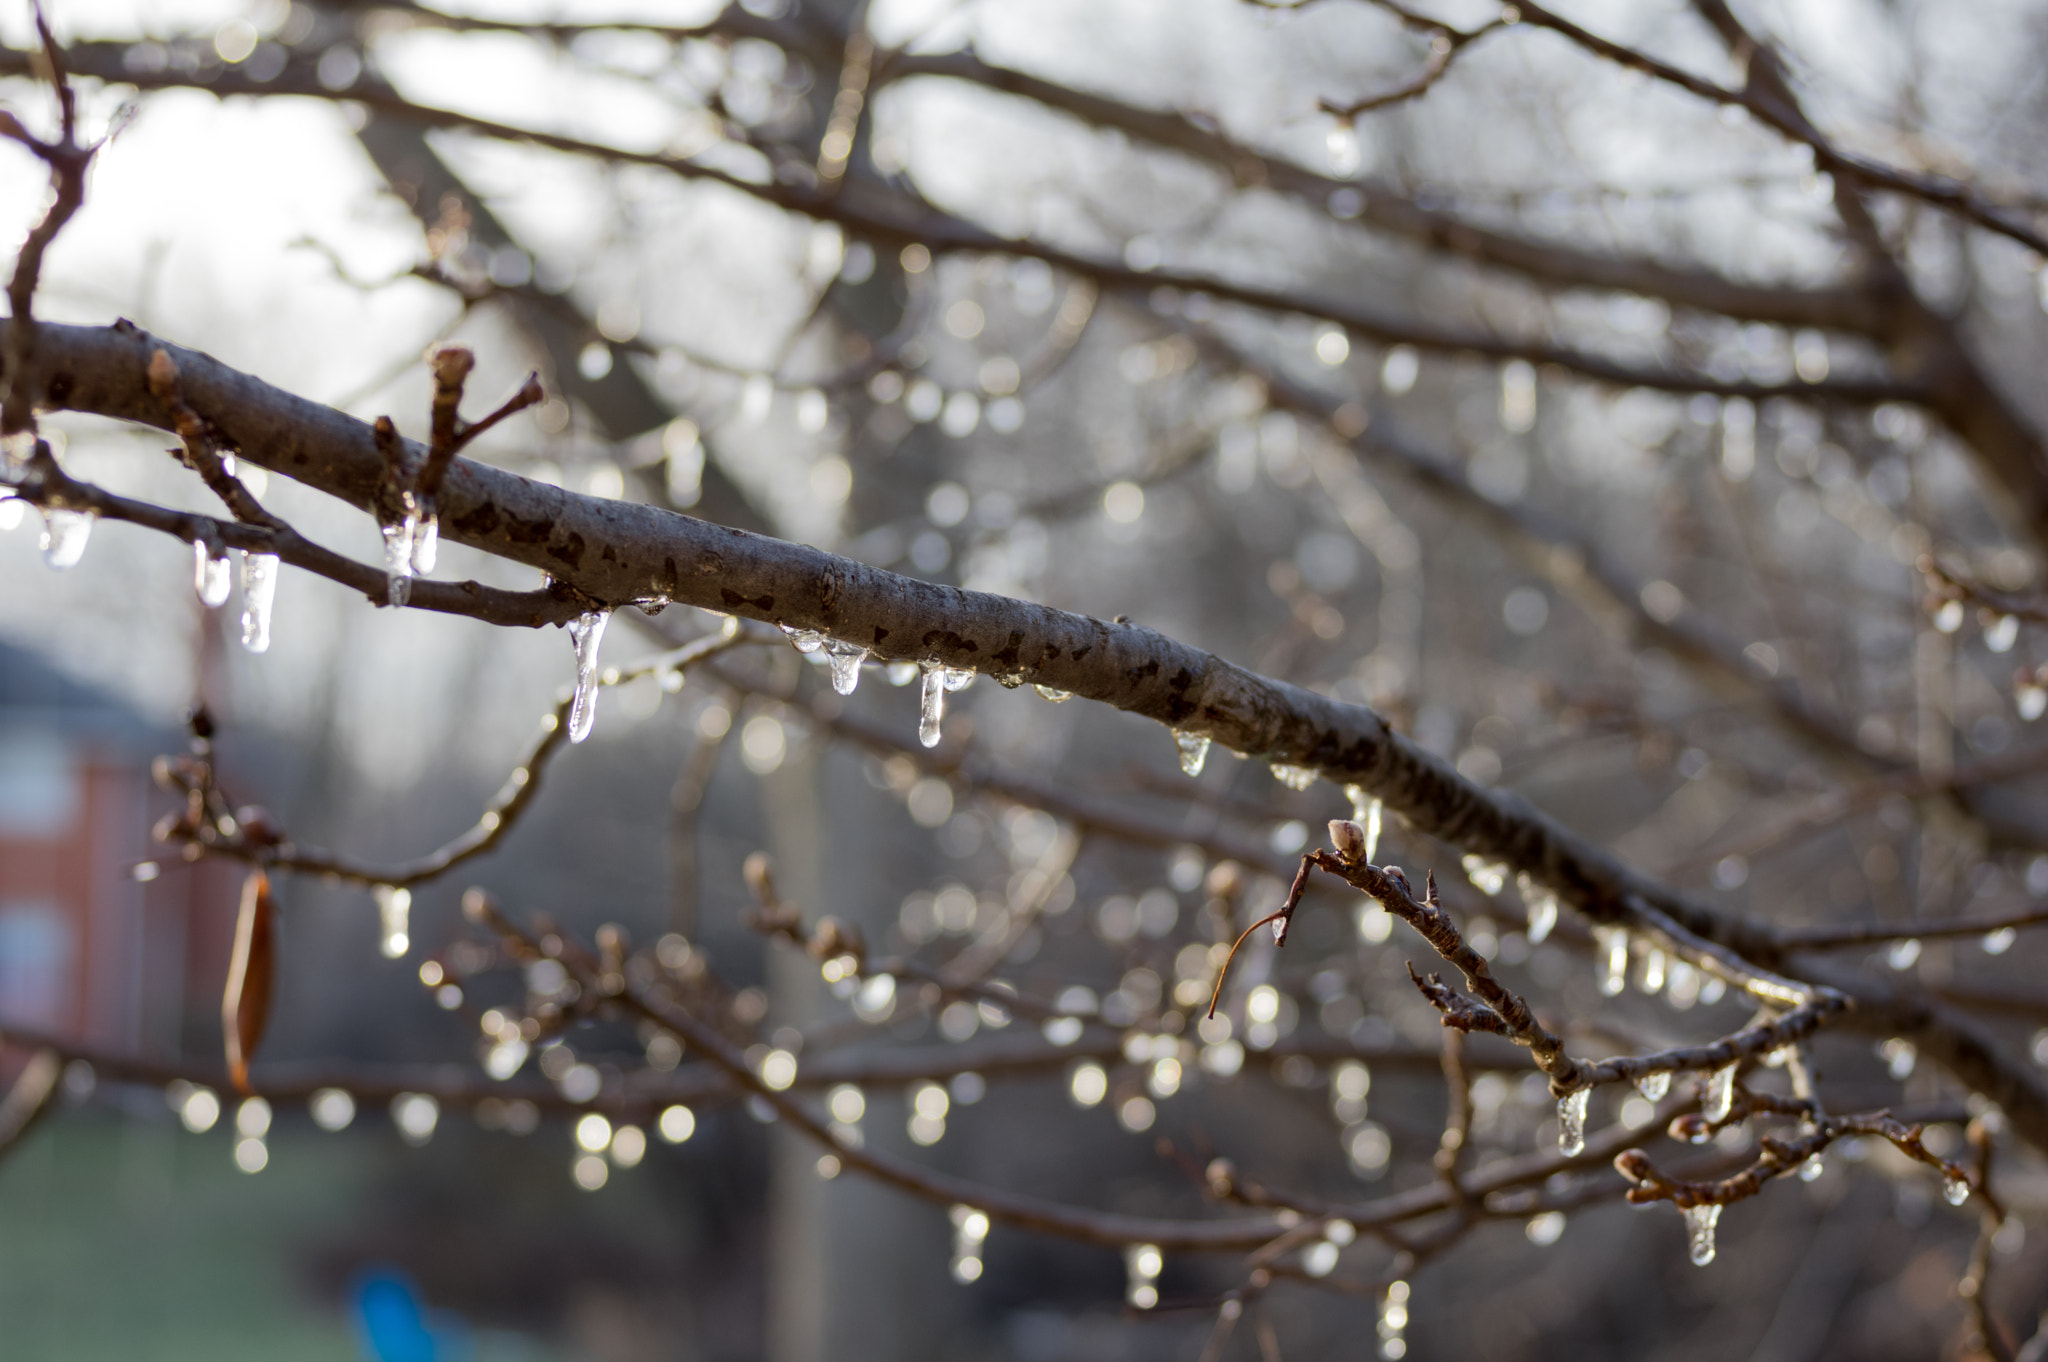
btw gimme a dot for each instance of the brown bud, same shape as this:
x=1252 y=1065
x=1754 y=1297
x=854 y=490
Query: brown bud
x=1349 y=840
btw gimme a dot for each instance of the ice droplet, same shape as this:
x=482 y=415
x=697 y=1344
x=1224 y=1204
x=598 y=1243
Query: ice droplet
x=1654 y=1085
x=1194 y=750
x=1811 y=1169
x=212 y=577
x=2031 y=700
x=845 y=659
x=806 y=640
x=259 y=593
x=1488 y=877
x=2002 y=634
x=1294 y=777
x=959 y=678
x=1949 y=617
x=394 y=913
x=1720 y=1097
x=1999 y=942
x=1571 y=1121
x=1058 y=697
x=64 y=536
x=586 y=632
x=1955 y=1191
x=1613 y=948
x=1699 y=1232
x=931 y=708
x=1542 y=905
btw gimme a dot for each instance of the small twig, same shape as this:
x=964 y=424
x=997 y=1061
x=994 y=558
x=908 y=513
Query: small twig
x=1824 y=938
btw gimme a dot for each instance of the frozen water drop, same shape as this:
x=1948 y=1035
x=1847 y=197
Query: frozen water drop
x=259 y=594
x=2031 y=700
x=2002 y=634
x=958 y=678
x=931 y=709
x=1654 y=1085
x=585 y=633
x=902 y=672
x=394 y=914
x=1811 y=1169
x=1294 y=777
x=1541 y=902
x=845 y=659
x=1956 y=1191
x=806 y=640
x=1949 y=617
x=1613 y=948
x=212 y=577
x=1699 y=1232
x=1571 y=1121
x=1999 y=942
x=1194 y=750
x=1719 y=1101
x=1058 y=697
x=64 y=536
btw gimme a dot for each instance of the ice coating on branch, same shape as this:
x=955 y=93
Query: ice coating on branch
x=399 y=539
x=64 y=536
x=1956 y=1191
x=1654 y=1085
x=394 y=913
x=1056 y=696
x=1294 y=777
x=845 y=659
x=1612 y=944
x=1571 y=1121
x=586 y=632
x=1194 y=750
x=931 y=707
x=259 y=593
x=426 y=539
x=212 y=577
x=1720 y=1096
x=806 y=640
x=1699 y=1232
x=1541 y=902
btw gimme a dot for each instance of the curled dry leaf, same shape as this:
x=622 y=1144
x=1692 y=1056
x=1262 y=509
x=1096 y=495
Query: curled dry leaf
x=245 y=1008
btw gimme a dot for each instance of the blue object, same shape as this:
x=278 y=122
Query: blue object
x=393 y=1326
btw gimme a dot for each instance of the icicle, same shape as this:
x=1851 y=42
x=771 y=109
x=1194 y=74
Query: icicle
x=212 y=577
x=1194 y=750
x=1654 y=1085
x=806 y=640
x=1365 y=810
x=426 y=539
x=2030 y=699
x=1294 y=777
x=259 y=593
x=1720 y=1097
x=586 y=632
x=1488 y=877
x=1612 y=944
x=1141 y=1275
x=959 y=678
x=400 y=538
x=845 y=660
x=1542 y=905
x=64 y=536
x=2002 y=634
x=1653 y=972
x=1699 y=1232
x=1955 y=1191
x=1058 y=697
x=394 y=914
x=931 y=708
x=1571 y=1121
x=970 y=1232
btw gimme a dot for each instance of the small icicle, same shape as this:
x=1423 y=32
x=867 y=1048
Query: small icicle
x=585 y=633
x=1571 y=1121
x=212 y=577
x=806 y=640
x=1294 y=777
x=931 y=709
x=259 y=593
x=1955 y=1191
x=1542 y=906
x=426 y=539
x=2002 y=634
x=1194 y=750
x=1699 y=1232
x=845 y=660
x=400 y=538
x=1612 y=943
x=1058 y=697
x=1488 y=877
x=959 y=678
x=64 y=536
x=1654 y=1085
x=394 y=913
x=1720 y=1098
x=1653 y=972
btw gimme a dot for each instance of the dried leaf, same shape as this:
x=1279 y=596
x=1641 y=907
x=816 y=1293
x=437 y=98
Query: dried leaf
x=245 y=1008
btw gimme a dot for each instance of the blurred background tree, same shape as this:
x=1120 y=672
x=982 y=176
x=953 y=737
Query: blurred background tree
x=1635 y=405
